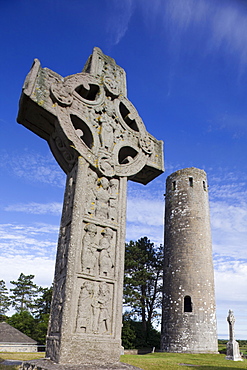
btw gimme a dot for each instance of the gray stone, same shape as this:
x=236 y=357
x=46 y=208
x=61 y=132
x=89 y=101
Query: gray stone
x=232 y=349
x=100 y=141
x=11 y=362
x=189 y=312
x=45 y=364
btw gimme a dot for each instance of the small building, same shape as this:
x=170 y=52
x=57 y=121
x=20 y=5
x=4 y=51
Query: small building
x=13 y=340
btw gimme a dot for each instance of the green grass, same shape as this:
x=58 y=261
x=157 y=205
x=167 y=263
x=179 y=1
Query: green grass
x=172 y=361
x=21 y=356
x=7 y=367
x=242 y=347
x=152 y=361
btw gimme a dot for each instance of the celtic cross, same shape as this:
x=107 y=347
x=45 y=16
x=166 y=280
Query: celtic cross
x=100 y=141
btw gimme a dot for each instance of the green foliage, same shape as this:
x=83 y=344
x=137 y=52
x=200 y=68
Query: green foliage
x=134 y=335
x=27 y=324
x=128 y=335
x=24 y=294
x=32 y=304
x=143 y=279
x=24 y=322
x=142 y=293
x=4 y=300
x=43 y=302
x=40 y=329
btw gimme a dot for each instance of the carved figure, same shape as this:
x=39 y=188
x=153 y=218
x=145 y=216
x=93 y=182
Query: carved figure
x=114 y=184
x=113 y=215
x=91 y=184
x=106 y=132
x=102 y=198
x=89 y=250
x=101 y=309
x=84 y=313
x=106 y=263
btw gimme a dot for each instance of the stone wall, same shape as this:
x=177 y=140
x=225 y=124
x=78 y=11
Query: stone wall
x=10 y=347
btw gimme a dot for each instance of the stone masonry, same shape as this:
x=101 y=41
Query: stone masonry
x=100 y=141
x=188 y=317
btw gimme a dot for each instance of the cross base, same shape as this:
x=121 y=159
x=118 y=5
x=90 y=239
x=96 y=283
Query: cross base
x=45 y=364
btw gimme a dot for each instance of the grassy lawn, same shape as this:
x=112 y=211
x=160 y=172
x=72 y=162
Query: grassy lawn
x=242 y=347
x=152 y=361
x=172 y=361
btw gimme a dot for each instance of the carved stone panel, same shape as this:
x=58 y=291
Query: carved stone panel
x=102 y=197
x=94 y=309
x=98 y=251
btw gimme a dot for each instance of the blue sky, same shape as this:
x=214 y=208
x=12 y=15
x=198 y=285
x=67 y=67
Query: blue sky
x=186 y=65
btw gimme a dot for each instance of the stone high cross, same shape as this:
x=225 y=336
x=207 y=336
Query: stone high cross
x=232 y=347
x=99 y=140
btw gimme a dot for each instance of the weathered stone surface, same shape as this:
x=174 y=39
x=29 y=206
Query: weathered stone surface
x=232 y=349
x=99 y=140
x=189 y=319
x=45 y=364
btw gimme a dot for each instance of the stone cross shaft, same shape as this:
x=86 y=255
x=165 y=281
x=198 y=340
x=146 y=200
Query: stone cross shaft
x=100 y=141
x=231 y=322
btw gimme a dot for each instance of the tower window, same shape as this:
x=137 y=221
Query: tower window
x=174 y=185
x=191 y=181
x=204 y=186
x=187 y=304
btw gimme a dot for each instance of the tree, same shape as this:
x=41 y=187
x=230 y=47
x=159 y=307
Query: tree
x=4 y=300
x=24 y=294
x=134 y=336
x=43 y=302
x=42 y=313
x=128 y=333
x=143 y=280
x=33 y=324
x=24 y=322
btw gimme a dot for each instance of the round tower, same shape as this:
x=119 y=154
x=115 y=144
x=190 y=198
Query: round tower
x=188 y=313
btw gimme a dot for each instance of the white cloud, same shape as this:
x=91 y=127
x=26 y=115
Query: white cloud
x=230 y=283
x=145 y=211
x=219 y=24
x=229 y=218
x=137 y=231
x=36 y=208
x=118 y=22
x=228 y=209
x=36 y=240
x=33 y=167
x=42 y=268
x=231 y=275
